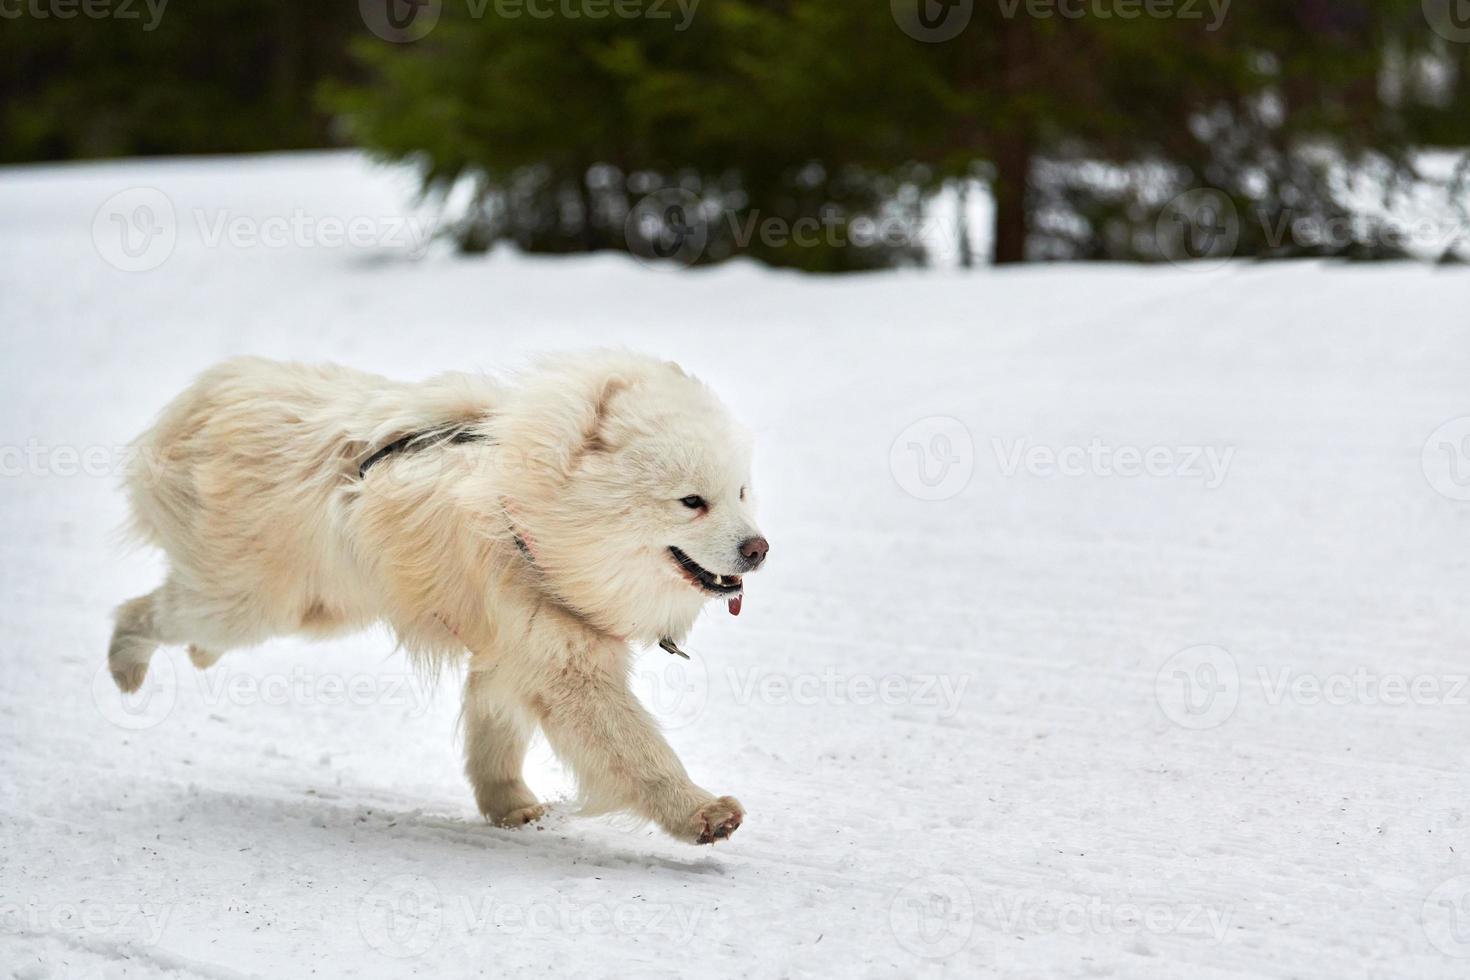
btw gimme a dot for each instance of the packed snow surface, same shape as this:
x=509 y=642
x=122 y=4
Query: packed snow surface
x=1115 y=622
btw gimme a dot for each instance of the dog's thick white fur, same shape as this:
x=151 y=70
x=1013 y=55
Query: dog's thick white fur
x=540 y=544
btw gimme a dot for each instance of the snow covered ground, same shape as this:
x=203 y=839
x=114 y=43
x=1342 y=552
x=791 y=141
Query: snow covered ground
x=1116 y=623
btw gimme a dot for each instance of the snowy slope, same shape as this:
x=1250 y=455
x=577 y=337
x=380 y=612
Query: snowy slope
x=1207 y=720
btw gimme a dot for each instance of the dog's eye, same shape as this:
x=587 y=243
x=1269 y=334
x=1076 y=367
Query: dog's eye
x=693 y=502
x=742 y=493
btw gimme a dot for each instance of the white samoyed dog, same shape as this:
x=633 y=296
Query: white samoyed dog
x=538 y=528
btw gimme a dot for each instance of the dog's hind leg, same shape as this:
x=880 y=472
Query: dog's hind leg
x=496 y=735
x=134 y=638
x=202 y=658
x=174 y=614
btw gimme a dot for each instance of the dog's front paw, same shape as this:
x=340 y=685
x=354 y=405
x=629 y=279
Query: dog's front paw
x=520 y=816
x=717 y=819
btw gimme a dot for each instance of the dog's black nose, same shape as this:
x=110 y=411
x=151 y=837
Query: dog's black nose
x=753 y=550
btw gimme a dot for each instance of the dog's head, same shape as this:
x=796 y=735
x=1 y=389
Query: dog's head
x=630 y=488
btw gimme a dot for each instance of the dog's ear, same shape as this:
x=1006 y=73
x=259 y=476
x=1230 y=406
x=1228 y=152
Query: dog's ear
x=568 y=414
x=598 y=435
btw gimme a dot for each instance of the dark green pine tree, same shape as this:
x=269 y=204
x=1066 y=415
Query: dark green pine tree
x=772 y=112
x=207 y=76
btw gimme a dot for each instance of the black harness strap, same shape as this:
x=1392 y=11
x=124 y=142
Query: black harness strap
x=421 y=440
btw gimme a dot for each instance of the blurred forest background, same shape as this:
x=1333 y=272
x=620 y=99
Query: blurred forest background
x=547 y=131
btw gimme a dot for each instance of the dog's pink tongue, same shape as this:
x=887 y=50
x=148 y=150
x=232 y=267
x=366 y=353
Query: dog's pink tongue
x=735 y=604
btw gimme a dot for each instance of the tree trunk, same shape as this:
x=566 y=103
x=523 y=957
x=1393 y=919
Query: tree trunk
x=962 y=224
x=1014 y=144
x=1012 y=175
x=286 y=85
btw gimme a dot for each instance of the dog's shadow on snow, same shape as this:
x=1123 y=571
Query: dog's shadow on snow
x=575 y=838
x=325 y=821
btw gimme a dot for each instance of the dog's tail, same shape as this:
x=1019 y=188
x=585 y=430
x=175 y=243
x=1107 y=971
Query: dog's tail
x=134 y=639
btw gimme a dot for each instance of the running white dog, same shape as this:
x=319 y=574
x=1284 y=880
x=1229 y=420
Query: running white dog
x=538 y=528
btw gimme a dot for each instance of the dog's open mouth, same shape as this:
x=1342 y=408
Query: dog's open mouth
x=703 y=577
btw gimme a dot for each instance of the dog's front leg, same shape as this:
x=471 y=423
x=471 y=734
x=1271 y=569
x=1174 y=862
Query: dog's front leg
x=596 y=724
